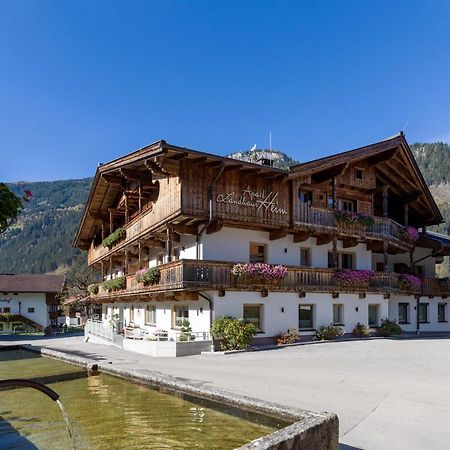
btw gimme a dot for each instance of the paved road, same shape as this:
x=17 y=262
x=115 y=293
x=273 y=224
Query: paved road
x=388 y=394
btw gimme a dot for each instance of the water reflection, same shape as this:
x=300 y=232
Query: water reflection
x=107 y=412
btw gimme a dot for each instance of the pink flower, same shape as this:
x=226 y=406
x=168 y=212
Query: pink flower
x=259 y=270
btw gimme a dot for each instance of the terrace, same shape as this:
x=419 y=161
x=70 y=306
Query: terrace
x=194 y=275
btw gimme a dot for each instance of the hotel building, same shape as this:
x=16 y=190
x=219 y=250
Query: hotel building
x=194 y=215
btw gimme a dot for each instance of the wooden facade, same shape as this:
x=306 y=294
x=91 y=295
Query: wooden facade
x=162 y=192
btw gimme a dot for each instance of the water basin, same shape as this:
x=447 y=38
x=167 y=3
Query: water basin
x=110 y=413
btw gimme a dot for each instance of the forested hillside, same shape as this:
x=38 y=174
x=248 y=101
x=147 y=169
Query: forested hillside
x=41 y=240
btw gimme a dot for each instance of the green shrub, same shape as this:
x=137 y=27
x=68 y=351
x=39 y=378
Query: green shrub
x=328 y=333
x=287 y=338
x=149 y=276
x=389 y=328
x=113 y=238
x=232 y=334
x=115 y=284
x=6 y=317
x=186 y=331
x=93 y=289
x=361 y=330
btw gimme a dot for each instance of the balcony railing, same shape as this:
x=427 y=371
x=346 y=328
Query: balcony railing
x=215 y=275
x=324 y=219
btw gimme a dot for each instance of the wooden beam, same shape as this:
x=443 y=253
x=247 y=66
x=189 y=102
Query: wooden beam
x=212 y=164
x=329 y=173
x=185 y=229
x=154 y=243
x=114 y=179
x=278 y=234
x=324 y=239
x=347 y=243
x=300 y=237
x=136 y=175
x=98 y=216
x=155 y=168
x=381 y=157
x=214 y=227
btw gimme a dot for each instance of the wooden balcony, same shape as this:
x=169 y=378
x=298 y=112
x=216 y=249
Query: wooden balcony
x=317 y=220
x=193 y=275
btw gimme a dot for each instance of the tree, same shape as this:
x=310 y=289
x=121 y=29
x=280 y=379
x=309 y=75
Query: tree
x=10 y=206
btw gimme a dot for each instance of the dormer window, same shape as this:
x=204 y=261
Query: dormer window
x=358 y=174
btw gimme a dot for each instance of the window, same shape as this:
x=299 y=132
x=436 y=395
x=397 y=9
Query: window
x=373 y=315
x=329 y=201
x=305 y=257
x=403 y=312
x=442 y=316
x=159 y=259
x=1 y=326
x=358 y=174
x=180 y=313
x=330 y=260
x=380 y=267
x=257 y=253
x=31 y=310
x=338 y=314
x=6 y=310
x=53 y=307
x=305 y=196
x=419 y=270
x=305 y=317
x=253 y=314
x=346 y=260
x=423 y=312
x=347 y=205
x=150 y=314
x=176 y=254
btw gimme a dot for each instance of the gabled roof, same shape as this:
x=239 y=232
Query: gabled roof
x=50 y=284
x=102 y=193
x=405 y=173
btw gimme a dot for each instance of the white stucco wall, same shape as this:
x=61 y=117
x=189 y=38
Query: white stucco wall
x=232 y=244
x=276 y=321
x=428 y=264
x=28 y=300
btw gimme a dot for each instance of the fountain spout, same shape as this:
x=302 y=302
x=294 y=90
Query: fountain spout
x=18 y=382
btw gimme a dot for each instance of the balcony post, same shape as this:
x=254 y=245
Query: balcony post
x=140 y=196
x=385 y=255
x=111 y=266
x=103 y=231
x=417 y=315
x=335 y=254
x=385 y=201
x=126 y=207
x=406 y=214
x=126 y=263
x=110 y=222
x=140 y=255
x=169 y=244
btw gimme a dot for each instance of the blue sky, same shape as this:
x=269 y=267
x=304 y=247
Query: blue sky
x=83 y=82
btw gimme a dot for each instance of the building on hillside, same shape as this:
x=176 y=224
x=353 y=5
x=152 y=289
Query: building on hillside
x=28 y=302
x=166 y=226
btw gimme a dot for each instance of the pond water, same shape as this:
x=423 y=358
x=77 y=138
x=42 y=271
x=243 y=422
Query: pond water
x=109 y=413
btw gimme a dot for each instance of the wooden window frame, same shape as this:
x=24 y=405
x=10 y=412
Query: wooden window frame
x=147 y=314
x=355 y=171
x=378 y=315
x=341 y=321
x=406 y=321
x=442 y=305
x=258 y=244
x=184 y=307
x=259 y=329
x=424 y=305
x=313 y=315
x=32 y=308
x=308 y=256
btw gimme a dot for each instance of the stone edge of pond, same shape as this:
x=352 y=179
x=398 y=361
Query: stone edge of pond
x=311 y=431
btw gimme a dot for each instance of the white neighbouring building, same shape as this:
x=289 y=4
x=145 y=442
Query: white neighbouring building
x=191 y=216
x=28 y=302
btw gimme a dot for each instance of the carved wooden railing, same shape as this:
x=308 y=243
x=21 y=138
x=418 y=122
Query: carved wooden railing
x=203 y=275
x=309 y=217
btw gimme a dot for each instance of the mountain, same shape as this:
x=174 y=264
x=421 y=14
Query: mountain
x=40 y=241
x=280 y=159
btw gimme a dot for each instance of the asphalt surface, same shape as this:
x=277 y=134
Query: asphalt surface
x=388 y=394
